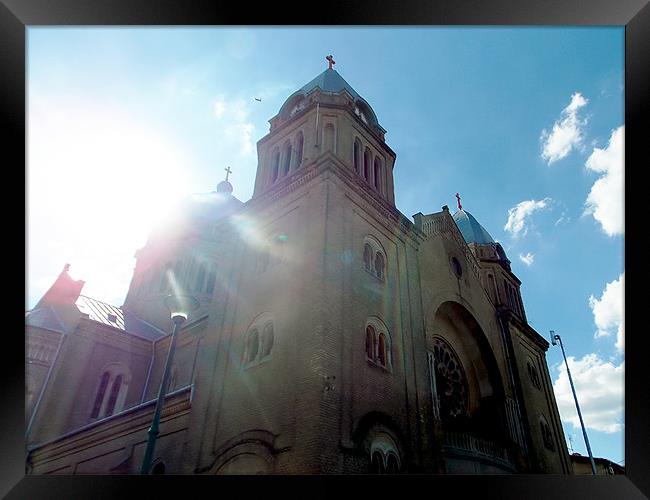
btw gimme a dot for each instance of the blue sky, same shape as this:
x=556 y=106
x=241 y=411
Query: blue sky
x=526 y=124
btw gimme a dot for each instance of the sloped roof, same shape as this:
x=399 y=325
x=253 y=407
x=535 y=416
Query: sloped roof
x=470 y=228
x=45 y=317
x=117 y=318
x=330 y=81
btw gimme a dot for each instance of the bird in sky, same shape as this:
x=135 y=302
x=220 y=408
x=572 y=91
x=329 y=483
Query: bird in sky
x=258 y=99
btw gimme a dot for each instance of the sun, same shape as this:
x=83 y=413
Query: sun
x=99 y=179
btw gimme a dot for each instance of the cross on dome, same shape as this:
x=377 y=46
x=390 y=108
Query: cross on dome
x=228 y=172
x=460 y=207
x=330 y=61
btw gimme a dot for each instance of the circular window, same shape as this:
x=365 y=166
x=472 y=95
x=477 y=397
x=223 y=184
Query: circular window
x=451 y=381
x=455 y=265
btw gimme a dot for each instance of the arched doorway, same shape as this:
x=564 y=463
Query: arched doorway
x=467 y=393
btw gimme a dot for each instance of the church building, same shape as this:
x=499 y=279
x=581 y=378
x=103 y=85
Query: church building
x=333 y=334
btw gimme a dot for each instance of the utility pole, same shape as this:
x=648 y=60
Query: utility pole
x=582 y=424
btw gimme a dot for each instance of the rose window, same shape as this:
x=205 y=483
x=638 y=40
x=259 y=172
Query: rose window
x=451 y=383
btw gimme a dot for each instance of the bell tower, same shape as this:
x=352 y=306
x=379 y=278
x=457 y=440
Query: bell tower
x=326 y=116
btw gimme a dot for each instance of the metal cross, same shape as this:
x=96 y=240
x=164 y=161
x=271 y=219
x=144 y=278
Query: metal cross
x=331 y=61
x=460 y=207
x=228 y=172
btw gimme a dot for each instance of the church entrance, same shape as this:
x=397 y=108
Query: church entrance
x=468 y=395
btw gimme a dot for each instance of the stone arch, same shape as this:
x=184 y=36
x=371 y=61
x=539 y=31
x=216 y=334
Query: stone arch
x=251 y=452
x=377 y=432
x=372 y=247
x=111 y=389
x=380 y=332
x=258 y=340
x=368 y=112
x=457 y=327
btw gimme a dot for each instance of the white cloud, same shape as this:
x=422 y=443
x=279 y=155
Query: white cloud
x=599 y=386
x=233 y=116
x=219 y=107
x=518 y=215
x=605 y=200
x=608 y=311
x=243 y=134
x=527 y=259
x=567 y=133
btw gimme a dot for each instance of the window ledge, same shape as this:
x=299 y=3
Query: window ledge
x=258 y=362
x=375 y=364
x=371 y=273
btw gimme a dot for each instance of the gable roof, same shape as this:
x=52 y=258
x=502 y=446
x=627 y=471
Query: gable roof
x=117 y=317
x=45 y=317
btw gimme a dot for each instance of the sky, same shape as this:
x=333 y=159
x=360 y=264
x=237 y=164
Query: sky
x=526 y=124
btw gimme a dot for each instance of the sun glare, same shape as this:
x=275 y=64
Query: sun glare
x=99 y=180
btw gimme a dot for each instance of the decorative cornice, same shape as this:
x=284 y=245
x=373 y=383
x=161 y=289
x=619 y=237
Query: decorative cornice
x=128 y=421
x=510 y=317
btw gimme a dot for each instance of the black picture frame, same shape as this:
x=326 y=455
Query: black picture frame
x=17 y=15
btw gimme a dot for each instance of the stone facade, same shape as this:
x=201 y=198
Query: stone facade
x=334 y=335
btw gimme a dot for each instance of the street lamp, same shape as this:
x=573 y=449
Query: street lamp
x=584 y=431
x=179 y=307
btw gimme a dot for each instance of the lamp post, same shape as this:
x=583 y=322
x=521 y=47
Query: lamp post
x=179 y=306
x=575 y=397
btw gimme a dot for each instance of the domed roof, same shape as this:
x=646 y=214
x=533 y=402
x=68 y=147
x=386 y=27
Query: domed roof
x=224 y=187
x=329 y=81
x=470 y=228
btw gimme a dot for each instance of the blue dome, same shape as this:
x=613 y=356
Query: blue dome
x=330 y=81
x=470 y=228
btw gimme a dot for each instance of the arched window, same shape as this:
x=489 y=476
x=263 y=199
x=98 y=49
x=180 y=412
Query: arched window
x=374 y=258
x=212 y=277
x=366 y=165
x=299 y=146
x=200 y=278
x=275 y=166
x=381 y=350
x=377 y=463
x=379 y=265
x=287 y=158
x=99 y=399
x=115 y=389
x=367 y=256
x=384 y=456
x=378 y=344
x=258 y=346
x=533 y=374
x=392 y=465
x=370 y=342
x=356 y=158
x=451 y=382
x=267 y=339
x=252 y=346
x=377 y=176
x=111 y=392
x=547 y=435
x=329 y=137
